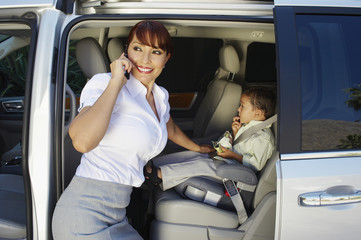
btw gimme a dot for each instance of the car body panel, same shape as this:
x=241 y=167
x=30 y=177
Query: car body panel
x=297 y=177
x=19 y=4
x=41 y=159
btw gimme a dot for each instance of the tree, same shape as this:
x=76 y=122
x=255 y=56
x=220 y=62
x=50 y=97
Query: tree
x=355 y=97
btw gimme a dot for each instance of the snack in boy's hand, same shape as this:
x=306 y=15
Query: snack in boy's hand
x=225 y=141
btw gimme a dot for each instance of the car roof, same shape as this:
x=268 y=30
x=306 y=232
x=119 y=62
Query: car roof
x=28 y=3
x=187 y=7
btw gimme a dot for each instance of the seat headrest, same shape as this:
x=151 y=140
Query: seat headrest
x=114 y=49
x=91 y=57
x=228 y=59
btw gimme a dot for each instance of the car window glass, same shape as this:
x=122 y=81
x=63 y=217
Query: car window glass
x=14 y=53
x=186 y=70
x=330 y=54
x=13 y=72
x=75 y=77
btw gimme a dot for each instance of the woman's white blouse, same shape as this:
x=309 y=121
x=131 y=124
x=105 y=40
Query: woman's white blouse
x=134 y=136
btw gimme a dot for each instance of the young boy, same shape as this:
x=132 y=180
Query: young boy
x=257 y=105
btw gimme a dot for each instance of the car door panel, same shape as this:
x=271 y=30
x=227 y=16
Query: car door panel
x=182 y=100
x=11 y=122
x=318 y=175
x=319 y=178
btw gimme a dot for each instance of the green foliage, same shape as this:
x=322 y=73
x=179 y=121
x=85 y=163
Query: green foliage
x=355 y=97
x=351 y=142
x=13 y=73
x=75 y=77
x=13 y=70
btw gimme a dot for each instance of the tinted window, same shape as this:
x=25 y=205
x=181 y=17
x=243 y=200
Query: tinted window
x=330 y=65
x=192 y=66
x=75 y=77
x=13 y=72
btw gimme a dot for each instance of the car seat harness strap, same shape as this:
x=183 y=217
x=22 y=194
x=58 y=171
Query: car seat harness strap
x=236 y=200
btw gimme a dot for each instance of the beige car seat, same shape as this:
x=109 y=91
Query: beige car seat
x=114 y=49
x=178 y=218
x=13 y=207
x=222 y=98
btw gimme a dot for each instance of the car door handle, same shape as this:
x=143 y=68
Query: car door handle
x=332 y=196
x=13 y=105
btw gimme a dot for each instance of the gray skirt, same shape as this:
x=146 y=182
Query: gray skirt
x=90 y=209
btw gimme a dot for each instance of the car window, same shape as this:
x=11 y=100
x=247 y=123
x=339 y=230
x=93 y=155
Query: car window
x=330 y=54
x=75 y=77
x=13 y=72
x=14 y=52
x=187 y=70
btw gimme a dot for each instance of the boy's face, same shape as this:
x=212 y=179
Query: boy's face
x=246 y=111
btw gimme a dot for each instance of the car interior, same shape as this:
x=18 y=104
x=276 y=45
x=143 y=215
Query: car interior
x=214 y=61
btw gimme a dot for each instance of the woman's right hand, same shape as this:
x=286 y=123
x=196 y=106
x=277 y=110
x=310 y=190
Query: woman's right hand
x=118 y=67
x=205 y=148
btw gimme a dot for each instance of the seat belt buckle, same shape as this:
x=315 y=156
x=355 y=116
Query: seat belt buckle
x=227 y=194
x=236 y=200
x=231 y=189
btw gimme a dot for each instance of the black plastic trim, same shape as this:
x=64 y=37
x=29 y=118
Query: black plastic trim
x=326 y=10
x=65 y=6
x=289 y=87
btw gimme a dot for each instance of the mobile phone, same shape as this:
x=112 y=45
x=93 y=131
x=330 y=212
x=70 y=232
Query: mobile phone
x=126 y=73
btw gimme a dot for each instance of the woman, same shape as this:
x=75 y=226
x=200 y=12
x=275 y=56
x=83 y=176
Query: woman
x=121 y=125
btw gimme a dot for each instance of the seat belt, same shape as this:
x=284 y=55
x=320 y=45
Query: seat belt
x=252 y=130
x=236 y=200
x=229 y=184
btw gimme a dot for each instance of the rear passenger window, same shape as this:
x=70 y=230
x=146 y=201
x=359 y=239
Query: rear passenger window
x=193 y=65
x=330 y=57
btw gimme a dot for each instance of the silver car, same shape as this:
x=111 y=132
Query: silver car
x=307 y=52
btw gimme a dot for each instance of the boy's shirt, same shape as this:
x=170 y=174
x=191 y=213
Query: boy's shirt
x=257 y=149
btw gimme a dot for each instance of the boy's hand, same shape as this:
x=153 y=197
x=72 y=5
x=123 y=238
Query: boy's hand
x=230 y=154
x=236 y=125
x=226 y=153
